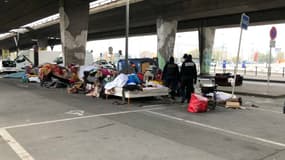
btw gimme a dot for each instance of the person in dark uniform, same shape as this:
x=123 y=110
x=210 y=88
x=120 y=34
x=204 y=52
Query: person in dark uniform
x=170 y=76
x=188 y=76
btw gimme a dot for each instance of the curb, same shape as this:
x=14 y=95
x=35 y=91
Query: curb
x=254 y=94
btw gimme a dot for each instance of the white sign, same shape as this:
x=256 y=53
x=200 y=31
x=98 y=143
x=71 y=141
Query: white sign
x=272 y=43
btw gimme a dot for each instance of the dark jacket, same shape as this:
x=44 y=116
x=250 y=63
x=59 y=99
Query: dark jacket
x=188 y=71
x=170 y=71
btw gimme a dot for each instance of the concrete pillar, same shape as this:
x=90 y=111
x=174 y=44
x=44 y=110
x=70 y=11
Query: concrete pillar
x=43 y=43
x=206 y=43
x=166 y=32
x=36 y=55
x=74 y=16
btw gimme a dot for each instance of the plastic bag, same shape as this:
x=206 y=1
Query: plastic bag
x=198 y=103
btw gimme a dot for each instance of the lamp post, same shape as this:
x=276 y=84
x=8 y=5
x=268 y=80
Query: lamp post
x=127 y=34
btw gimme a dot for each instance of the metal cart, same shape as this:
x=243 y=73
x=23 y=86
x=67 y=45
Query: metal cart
x=209 y=90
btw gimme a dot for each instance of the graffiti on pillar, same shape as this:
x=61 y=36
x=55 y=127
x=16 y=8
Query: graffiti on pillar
x=206 y=62
x=206 y=40
x=166 y=32
x=161 y=60
x=73 y=45
x=75 y=48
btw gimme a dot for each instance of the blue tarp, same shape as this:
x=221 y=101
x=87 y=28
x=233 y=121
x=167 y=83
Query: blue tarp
x=17 y=75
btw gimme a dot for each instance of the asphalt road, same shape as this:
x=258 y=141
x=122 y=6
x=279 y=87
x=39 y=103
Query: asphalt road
x=49 y=124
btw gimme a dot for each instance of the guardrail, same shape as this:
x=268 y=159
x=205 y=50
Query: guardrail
x=253 y=71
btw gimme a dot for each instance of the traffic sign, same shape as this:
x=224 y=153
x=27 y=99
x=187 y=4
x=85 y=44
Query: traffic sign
x=244 y=21
x=272 y=43
x=273 y=33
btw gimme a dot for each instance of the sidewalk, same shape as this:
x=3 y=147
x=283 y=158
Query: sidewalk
x=254 y=88
x=264 y=79
x=257 y=85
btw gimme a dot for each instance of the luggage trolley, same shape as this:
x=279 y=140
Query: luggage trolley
x=209 y=90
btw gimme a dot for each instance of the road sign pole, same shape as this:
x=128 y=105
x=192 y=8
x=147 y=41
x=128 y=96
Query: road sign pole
x=269 y=69
x=273 y=35
x=236 y=66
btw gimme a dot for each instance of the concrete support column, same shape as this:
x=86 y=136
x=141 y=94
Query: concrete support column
x=36 y=55
x=74 y=16
x=43 y=43
x=166 y=32
x=206 y=43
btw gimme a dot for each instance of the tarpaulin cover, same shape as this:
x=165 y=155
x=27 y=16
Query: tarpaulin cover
x=17 y=75
x=198 y=103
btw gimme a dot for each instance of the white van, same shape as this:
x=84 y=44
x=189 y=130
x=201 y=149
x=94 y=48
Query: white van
x=7 y=65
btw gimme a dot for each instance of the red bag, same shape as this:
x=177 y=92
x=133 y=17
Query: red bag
x=198 y=103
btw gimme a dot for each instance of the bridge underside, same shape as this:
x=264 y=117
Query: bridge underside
x=111 y=24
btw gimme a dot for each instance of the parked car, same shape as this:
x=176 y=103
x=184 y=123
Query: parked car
x=142 y=64
x=8 y=65
x=103 y=64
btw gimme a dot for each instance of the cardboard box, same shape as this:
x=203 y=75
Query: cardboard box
x=232 y=104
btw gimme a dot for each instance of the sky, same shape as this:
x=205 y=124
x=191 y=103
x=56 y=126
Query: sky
x=255 y=39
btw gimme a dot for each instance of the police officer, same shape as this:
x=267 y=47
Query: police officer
x=188 y=77
x=170 y=76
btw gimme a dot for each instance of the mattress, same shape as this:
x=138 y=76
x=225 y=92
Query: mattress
x=147 y=92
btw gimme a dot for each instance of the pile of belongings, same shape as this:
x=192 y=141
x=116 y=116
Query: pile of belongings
x=226 y=79
x=94 y=80
x=31 y=75
x=99 y=81
x=53 y=75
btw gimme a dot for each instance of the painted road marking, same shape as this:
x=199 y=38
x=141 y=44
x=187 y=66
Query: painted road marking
x=266 y=110
x=220 y=129
x=83 y=117
x=76 y=112
x=150 y=106
x=17 y=148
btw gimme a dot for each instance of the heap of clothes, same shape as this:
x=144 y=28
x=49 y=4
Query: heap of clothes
x=105 y=81
x=91 y=80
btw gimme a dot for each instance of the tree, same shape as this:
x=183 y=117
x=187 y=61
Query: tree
x=194 y=53
x=262 y=57
x=218 y=55
x=279 y=57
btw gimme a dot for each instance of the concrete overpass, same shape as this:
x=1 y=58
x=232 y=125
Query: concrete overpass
x=147 y=16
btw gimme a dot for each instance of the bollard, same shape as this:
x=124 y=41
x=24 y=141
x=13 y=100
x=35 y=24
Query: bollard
x=255 y=70
x=283 y=71
x=284 y=108
x=244 y=71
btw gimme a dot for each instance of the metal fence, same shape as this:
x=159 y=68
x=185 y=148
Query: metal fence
x=257 y=71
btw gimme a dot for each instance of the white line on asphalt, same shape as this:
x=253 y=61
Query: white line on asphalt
x=149 y=106
x=266 y=110
x=220 y=129
x=17 y=148
x=83 y=117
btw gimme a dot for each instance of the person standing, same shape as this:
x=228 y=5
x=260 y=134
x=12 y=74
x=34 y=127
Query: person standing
x=117 y=57
x=170 y=76
x=110 y=55
x=188 y=77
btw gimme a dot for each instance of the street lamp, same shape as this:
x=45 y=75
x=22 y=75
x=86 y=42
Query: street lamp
x=127 y=35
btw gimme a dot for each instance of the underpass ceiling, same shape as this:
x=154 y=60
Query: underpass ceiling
x=15 y=13
x=111 y=23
